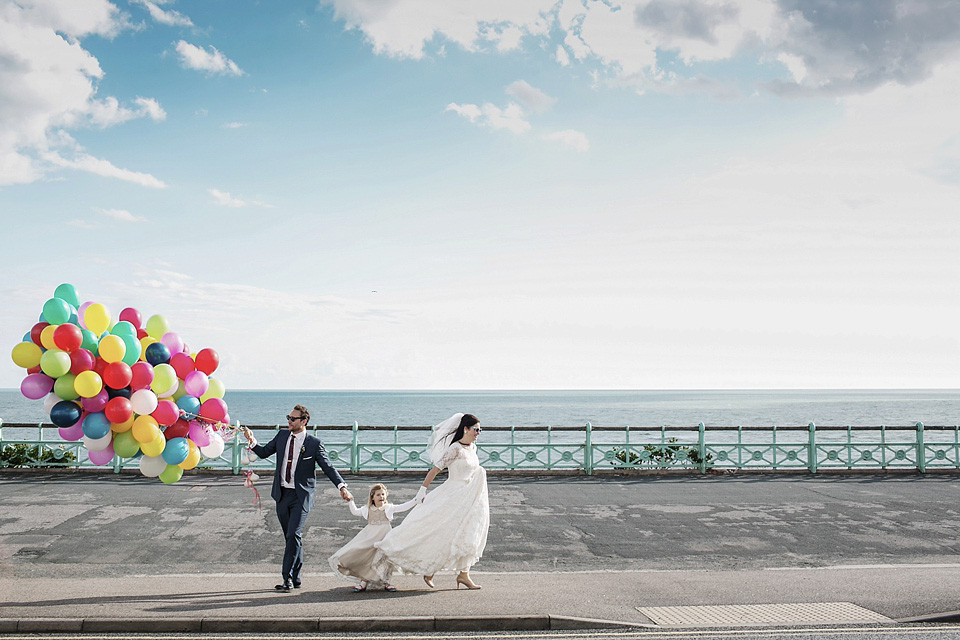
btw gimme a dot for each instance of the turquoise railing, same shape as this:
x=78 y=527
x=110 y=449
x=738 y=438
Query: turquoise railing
x=586 y=449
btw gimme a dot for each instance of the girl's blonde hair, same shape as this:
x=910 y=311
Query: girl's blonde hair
x=373 y=490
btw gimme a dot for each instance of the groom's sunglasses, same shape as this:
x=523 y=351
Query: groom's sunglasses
x=294 y=418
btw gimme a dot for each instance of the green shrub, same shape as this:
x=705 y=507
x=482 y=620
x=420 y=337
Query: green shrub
x=25 y=455
x=660 y=455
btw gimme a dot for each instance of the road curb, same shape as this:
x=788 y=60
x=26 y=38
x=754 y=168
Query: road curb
x=307 y=625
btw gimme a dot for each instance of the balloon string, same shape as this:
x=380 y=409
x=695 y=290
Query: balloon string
x=226 y=430
x=251 y=477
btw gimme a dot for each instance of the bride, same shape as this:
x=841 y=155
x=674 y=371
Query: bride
x=448 y=530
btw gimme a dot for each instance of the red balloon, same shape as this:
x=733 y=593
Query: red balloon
x=35 y=332
x=118 y=410
x=35 y=369
x=100 y=365
x=117 y=375
x=142 y=375
x=166 y=413
x=178 y=429
x=182 y=364
x=81 y=360
x=208 y=361
x=132 y=316
x=67 y=337
x=141 y=333
x=214 y=409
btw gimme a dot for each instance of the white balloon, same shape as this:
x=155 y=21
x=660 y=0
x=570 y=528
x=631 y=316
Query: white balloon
x=152 y=466
x=215 y=448
x=99 y=444
x=49 y=401
x=143 y=401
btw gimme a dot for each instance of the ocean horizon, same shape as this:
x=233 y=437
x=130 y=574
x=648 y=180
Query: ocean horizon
x=576 y=407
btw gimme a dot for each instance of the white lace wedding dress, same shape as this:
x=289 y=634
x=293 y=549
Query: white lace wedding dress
x=449 y=530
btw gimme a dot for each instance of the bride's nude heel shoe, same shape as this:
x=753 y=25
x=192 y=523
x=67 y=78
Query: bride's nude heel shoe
x=429 y=581
x=467 y=582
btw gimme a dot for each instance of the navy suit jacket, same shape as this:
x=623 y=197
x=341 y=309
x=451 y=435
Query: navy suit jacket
x=312 y=455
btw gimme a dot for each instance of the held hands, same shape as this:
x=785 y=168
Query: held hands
x=345 y=494
x=421 y=494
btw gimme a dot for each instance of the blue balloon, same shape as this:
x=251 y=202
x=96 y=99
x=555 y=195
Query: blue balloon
x=66 y=413
x=189 y=404
x=96 y=425
x=175 y=451
x=158 y=353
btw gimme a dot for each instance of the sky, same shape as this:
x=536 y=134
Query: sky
x=503 y=194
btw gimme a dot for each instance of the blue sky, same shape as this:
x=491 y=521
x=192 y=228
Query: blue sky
x=351 y=194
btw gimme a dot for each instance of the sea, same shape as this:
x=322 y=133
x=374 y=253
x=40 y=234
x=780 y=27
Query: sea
x=651 y=408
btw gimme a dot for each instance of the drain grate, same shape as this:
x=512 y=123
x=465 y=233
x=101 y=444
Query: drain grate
x=737 y=615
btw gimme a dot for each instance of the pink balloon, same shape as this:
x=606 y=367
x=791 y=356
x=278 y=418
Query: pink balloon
x=96 y=403
x=214 y=409
x=36 y=386
x=102 y=457
x=132 y=316
x=166 y=413
x=142 y=375
x=72 y=433
x=82 y=310
x=173 y=342
x=196 y=383
x=199 y=433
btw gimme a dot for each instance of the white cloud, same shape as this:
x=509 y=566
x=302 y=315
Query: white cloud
x=122 y=215
x=235 y=125
x=212 y=61
x=48 y=84
x=170 y=18
x=829 y=48
x=530 y=97
x=101 y=167
x=490 y=115
x=224 y=199
x=571 y=138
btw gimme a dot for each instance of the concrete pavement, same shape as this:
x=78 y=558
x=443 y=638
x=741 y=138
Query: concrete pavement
x=99 y=552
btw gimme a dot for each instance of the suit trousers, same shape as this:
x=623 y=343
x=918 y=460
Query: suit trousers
x=292 y=513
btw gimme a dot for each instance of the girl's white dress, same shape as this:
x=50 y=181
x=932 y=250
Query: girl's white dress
x=355 y=559
x=449 y=530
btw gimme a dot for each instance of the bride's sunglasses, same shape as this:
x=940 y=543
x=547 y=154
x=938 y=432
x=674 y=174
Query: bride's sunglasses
x=476 y=428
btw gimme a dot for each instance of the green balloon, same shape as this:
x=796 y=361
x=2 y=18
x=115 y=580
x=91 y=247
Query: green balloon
x=132 y=354
x=67 y=292
x=171 y=474
x=55 y=362
x=124 y=328
x=63 y=387
x=125 y=445
x=56 y=311
x=90 y=342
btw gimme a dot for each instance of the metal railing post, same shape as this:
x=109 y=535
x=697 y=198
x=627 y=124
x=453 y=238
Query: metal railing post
x=921 y=450
x=355 y=449
x=588 y=450
x=812 y=453
x=235 y=463
x=702 y=447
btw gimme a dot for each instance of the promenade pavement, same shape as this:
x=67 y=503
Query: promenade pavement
x=83 y=551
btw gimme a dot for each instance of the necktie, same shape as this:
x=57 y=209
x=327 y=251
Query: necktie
x=289 y=459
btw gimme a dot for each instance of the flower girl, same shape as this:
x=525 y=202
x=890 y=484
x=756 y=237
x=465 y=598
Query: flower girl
x=355 y=558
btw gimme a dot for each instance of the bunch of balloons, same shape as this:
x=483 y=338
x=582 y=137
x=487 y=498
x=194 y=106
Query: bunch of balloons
x=125 y=388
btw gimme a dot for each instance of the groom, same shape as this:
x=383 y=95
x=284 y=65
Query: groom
x=298 y=455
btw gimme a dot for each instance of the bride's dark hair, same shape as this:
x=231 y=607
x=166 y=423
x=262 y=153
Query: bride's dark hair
x=468 y=420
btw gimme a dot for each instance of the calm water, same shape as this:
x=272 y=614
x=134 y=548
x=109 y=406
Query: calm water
x=575 y=408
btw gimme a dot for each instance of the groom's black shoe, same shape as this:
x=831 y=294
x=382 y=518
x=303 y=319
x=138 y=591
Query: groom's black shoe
x=296 y=585
x=285 y=586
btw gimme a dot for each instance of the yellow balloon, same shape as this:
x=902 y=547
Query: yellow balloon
x=97 y=318
x=145 y=430
x=88 y=383
x=26 y=355
x=112 y=348
x=154 y=447
x=192 y=459
x=214 y=390
x=145 y=342
x=120 y=427
x=180 y=392
x=46 y=337
x=157 y=326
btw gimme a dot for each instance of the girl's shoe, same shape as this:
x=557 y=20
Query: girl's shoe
x=429 y=581
x=467 y=582
x=389 y=587
x=360 y=588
